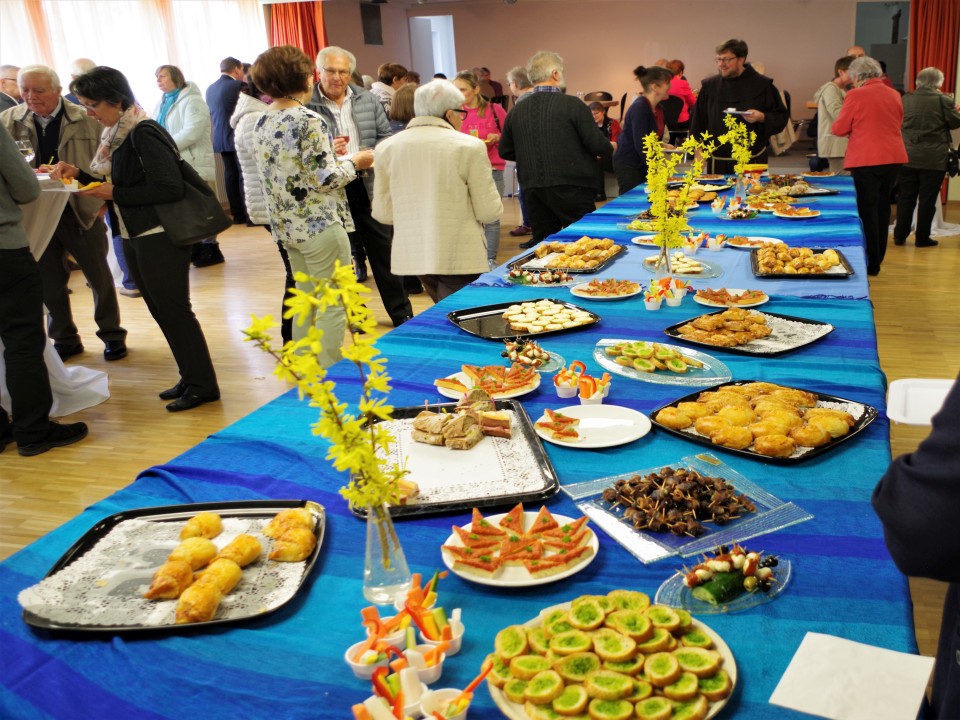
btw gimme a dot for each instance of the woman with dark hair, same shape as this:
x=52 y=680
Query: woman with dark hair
x=643 y=117
x=184 y=114
x=928 y=118
x=303 y=181
x=138 y=159
x=484 y=120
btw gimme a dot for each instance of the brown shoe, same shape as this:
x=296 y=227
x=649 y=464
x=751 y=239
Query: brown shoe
x=521 y=230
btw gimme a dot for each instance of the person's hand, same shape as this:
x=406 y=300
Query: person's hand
x=363 y=159
x=103 y=191
x=340 y=145
x=492 y=139
x=61 y=170
x=754 y=116
x=668 y=146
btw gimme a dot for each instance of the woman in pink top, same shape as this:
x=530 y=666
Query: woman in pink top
x=679 y=87
x=871 y=118
x=484 y=120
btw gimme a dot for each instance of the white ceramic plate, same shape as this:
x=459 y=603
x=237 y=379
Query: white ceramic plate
x=813 y=214
x=645 y=240
x=515 y=711
x=517 y=575
x=756 y=239
x=601 y=426
x=579 y=291
x=732 y=291
x=465 y=379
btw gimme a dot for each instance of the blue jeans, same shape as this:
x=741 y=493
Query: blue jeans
x=492 y=230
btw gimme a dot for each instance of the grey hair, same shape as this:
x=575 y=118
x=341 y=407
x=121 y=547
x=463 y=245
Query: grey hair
x=40 y=70
x=930 y=78
x=864 y=68
x=437 y=97
x=5 y=69
x=333 y=50
x=518 y=76
x=82 y=65
x=541 y=66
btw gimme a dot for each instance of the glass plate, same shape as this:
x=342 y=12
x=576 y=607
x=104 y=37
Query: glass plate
x=710 y=270
x=675 y=593
x=712 y=368
x=772 y=513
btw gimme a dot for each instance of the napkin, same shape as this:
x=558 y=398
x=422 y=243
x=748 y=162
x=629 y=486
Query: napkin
x=845 y=680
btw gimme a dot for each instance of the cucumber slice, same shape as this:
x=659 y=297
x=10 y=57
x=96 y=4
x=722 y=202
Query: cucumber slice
x=721 y=588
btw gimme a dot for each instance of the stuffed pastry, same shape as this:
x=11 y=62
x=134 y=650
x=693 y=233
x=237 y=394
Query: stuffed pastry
x=243 y=550
x=294 y=545
x=170 y=580
x=205 y=524
x=195 y=551
x=291 y=517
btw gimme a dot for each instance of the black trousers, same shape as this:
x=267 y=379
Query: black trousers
x=440 y=286
x=628 y=177
x=874 y=186
x=21 y=329
x=234 y=185
x=553 y=208
x=89 y=249
x=162 y=272
x=377 y=240
x=914 y=185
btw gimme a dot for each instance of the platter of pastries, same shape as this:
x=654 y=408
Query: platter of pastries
x=794 y=213
x=541 y=316
x=730 y=297
x=180 y=566
x=584 y=658
x=581 y=256
x=750 y=332
x=745 y=242
x=765 y=420
x=659 y=363
x=519 y=548
x=781 y=261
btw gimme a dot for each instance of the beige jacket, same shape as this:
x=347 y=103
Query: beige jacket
x=829 y=103
x=79 y=140
x=435 y=186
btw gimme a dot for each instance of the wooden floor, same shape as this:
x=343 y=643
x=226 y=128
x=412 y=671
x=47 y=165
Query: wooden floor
x=918 y=332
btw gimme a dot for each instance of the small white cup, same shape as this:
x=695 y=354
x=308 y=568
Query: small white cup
x=674 y=301
x=566 y=392
x=361 y=670
x=397 y=638
x=595 y=399
x=429 y=675
x=438 y=700
x=652 y=304
x=456 y=639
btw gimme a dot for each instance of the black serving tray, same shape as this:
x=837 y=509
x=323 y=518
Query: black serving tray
x=846 y=272
x=524 y=445
x=180 y=514
x=526 y=262
x=487 y=322
x=867 y=414
x=769 y=346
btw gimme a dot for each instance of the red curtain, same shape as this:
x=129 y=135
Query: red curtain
x=934 y=37
x=299 y=24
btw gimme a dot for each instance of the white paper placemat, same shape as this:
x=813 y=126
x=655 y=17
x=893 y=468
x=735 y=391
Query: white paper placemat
x=845 y=680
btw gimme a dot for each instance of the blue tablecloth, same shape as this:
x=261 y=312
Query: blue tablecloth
x=838 y=227
x=289 y=665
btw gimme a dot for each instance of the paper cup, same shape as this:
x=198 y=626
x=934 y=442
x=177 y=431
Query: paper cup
x=595 y=399
x=397 y=638
x=566 y=392
x=651 y=304
x=674 y=301
x=430 y=674
x=456 y=640
x=361 y=670
x=438 y=700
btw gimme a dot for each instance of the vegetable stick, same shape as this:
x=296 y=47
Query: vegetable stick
x=361 y=713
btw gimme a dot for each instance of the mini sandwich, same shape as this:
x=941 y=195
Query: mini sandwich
x=462 y=432
x=428 y=427
x=475 y=401
x=495 y=423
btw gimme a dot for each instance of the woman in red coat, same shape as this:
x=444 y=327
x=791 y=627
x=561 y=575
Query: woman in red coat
x=871 y=118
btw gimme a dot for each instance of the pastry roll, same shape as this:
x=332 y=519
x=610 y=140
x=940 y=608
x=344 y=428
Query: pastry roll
x=243 y=550
x=198 y=603
x=205 y=524
x=195 y=551
x=170 y=579
x=294 y=545
x=223 y=573
x=292 y=517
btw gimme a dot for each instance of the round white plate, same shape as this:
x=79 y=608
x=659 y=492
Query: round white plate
x=601 y=426
x=578 y=291
x=645 y=240
x=515 y=711
x=732 y=291
x=517 y=575
x=675 y=593
x=465 y=379
x=754 y=238
x=815 y=213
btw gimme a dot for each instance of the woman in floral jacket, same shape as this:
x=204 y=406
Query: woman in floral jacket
x=303 y=181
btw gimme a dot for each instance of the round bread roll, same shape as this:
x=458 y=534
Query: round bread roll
x=774 y=445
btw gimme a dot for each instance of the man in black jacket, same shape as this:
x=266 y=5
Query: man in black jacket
x=753 y=97
x=555 y=143
x=222 y=98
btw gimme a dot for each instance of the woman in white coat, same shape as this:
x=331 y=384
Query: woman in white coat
x=184 y=114
x=433 y=184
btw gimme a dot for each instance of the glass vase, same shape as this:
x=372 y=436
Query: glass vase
x=740 y=189
x=385 y=571
x=662 y=274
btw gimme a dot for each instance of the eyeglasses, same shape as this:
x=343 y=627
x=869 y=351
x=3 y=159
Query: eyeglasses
x=725 y=60
x=341 y=73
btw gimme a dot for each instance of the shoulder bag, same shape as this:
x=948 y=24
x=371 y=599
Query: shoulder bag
x=953 y=154
x=198 y=214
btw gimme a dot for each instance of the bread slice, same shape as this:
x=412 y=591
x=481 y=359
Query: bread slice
x=544 y=567
x=568 y=542
x=482 y=526
x=495 y=423
x=477 y=541
x=567 y=528
x=513 y=520
x=573 y=556
x=427 y=438
x=451 y=384
x=487 y=566
x=459 y=552
x=543 y=522
x=530 y=550
x=466 y=441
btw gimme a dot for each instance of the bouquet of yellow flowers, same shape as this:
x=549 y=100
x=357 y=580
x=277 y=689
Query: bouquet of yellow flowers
x=741 y=142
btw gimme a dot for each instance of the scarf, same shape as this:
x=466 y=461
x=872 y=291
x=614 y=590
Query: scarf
x=112 y=137
x=168 y=100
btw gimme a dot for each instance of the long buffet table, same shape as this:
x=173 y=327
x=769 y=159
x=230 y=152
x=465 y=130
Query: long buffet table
x=290 y=664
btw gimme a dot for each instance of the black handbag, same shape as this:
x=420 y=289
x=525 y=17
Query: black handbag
x=198 y=214
x=953 y=154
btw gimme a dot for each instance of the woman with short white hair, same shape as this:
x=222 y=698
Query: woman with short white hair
x=871 y=118
x=433 y=184
x=928 y=118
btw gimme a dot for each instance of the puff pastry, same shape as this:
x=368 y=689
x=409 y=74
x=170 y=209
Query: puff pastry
x=198 y=603
x=223 y=573
x=170 y=580
x=294 y=545
x=292 y=517
x=243 y=550
x=195 y=551
x=205 y=524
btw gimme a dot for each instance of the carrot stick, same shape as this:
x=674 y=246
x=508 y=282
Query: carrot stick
x=361 y=713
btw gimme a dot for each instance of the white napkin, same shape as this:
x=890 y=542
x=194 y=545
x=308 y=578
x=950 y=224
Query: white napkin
x=845 y=680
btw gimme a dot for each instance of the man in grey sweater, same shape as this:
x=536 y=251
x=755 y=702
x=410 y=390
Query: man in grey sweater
x=555 y=143
x=21 y=319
